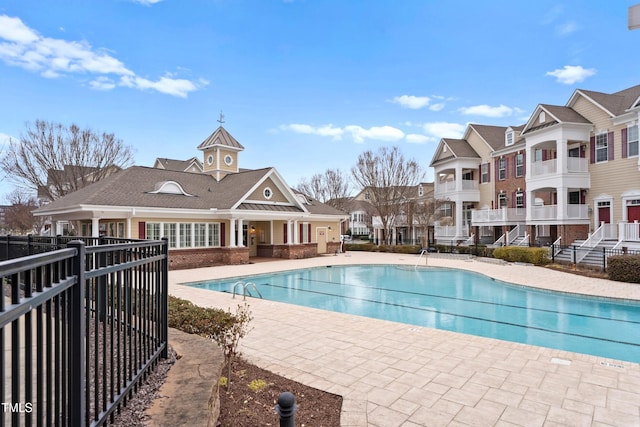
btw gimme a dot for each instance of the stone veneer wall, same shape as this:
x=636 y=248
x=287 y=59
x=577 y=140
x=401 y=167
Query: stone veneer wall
x=307 y=250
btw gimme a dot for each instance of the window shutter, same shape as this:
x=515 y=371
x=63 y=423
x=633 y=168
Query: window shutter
x=142 y=230
x=223 y=239
x=524 y=199
x=309 y=233
x=524 y=163
x=513 y=199
x=497 y=164
x=284 y=233
x=544 y=155
x=489 y=172
x=480 y=174
x=624 y=143
x=610 y=146
x=592 y=149
x=301 y=236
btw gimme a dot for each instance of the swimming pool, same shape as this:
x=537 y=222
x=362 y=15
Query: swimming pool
x=459 y=301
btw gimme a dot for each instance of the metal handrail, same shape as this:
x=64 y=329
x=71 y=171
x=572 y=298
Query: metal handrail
x=245 y=289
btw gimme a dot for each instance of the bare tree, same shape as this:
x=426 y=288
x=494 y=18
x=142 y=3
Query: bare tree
x=390 y=179
x=333 y=187
x=56 y=160
x=18 y=217
x=425 y=213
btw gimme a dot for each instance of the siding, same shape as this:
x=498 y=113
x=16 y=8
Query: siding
x=277 y=195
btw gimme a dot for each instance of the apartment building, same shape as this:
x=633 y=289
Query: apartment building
x=571 y=173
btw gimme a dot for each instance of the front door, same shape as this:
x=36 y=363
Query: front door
x=322 y=240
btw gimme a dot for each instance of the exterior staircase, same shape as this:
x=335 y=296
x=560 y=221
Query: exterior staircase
x=593 y=257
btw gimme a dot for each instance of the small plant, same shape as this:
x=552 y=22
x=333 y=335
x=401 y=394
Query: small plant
x=257 y=385
x=228 y=337
x=222 y=382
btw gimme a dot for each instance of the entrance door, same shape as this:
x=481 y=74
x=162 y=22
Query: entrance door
x=633 y=213
x=604 y=215
x=322 y=240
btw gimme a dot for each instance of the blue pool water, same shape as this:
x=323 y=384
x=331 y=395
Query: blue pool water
x=459 y=301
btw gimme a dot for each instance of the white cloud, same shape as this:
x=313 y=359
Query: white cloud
x=380 y=133
x=326 y=130
x=54 y=58
x=147 y=2
x=436 y=107
x=566 y=28
x=359 y=134
x=444 y=129
x=489 y=111
x=412 y=102
x=571 y=74
x=415 y=138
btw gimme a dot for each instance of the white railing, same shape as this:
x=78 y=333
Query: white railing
x=450 y=186
x=525 y=240
x=513 y=234
x=470 y=240
x=544 y=212
x=500 y=241
x=496 y=215
x=442 y=231
x=629 y=232
x=556 y=246
x=577 y=211
x=544 y=168
x=577 y=164
x=593 y=240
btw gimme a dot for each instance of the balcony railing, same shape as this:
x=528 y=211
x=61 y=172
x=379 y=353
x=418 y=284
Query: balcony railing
x=548 y=167
x=444 y=231
x=449 y=186
x=498 y=215
x=629 y=232
x=551 y=212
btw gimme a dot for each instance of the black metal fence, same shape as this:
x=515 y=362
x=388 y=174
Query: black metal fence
x=594 y=256
x=79 y=327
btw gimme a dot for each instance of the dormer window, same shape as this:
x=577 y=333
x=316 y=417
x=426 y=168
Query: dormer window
x=508 y=139
x=542 y=118
x=169 y=187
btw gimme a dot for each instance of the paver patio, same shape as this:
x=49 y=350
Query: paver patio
x=394 y=374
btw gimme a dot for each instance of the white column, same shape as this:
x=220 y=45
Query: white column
x=296 y=238
x=232 y=232
x=458 y=178
x=459 y=219
x=95 y=227
x=239 y=237
x=562 y=154
x=561 y=212
x=128 y=232
x=289 y=232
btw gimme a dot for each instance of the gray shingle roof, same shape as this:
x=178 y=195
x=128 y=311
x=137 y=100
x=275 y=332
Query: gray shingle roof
x=616 y=102
x=178 y=165
x=565 y=114
x=134 y=186
x=493 y=135
x=461 y=148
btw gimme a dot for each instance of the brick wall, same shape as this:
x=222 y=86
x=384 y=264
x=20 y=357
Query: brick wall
x=206 y=257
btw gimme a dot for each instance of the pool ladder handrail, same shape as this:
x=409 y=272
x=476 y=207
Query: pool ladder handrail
x=245 y=289
x=422 y=252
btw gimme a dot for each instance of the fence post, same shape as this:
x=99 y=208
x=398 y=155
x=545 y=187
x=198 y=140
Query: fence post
x=164 y=297
x=77 y=332
x=604 y=259
x=101 y=292
x=553 y=253
x=29 y=244
x=287 y=408
x=573 y=255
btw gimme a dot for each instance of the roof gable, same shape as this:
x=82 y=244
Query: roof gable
x=613 y=104
x=546 y=115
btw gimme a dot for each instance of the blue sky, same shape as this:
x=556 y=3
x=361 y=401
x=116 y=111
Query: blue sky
x=304 y=85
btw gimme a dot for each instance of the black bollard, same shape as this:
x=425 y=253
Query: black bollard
x=286 y=408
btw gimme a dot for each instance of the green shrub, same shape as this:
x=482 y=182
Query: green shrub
x=624 y=268
x=536 y=256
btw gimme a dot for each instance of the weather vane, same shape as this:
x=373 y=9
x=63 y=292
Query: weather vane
x=221 y=119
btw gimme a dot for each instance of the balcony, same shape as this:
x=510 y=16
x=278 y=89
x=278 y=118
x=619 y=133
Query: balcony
x=450 y=232
x=498 y=216
x=550 y=167
x=450 y=187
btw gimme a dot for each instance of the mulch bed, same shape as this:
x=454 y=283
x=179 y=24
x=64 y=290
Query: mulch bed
x=254 y=393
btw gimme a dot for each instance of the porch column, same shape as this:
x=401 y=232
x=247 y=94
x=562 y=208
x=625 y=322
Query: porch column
x=290 y=236
x=128 y=232
x=296 y=238
x=240 y=234
x=459 y=219
x=232 y=232
x=95 y=227
x=561 y=212
x=528 y=205
x=562 y=162
x=458 y=178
